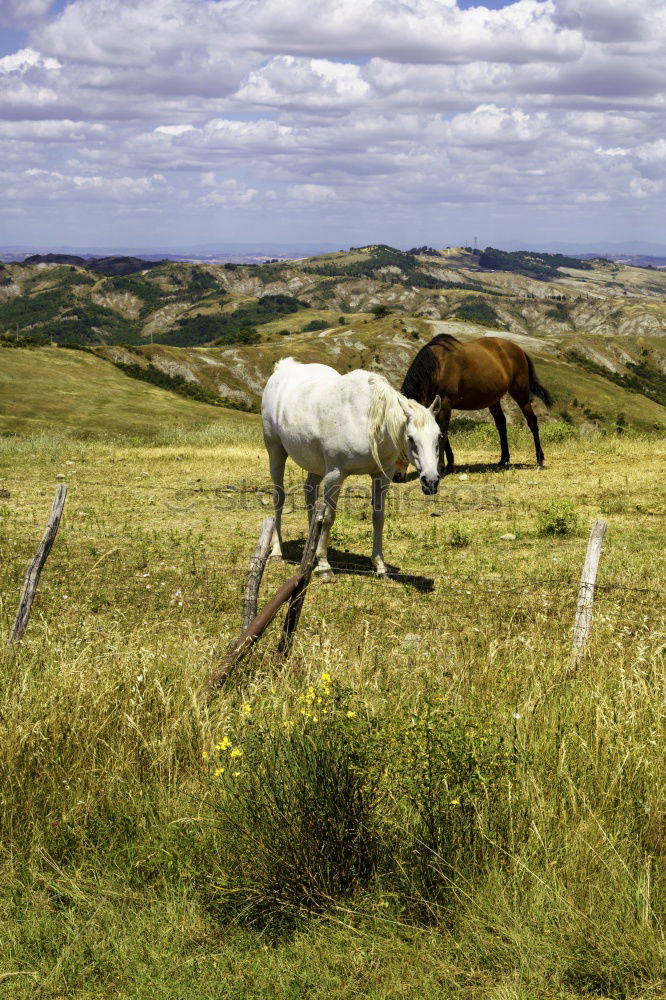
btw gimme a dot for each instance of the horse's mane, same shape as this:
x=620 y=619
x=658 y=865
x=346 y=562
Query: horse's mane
x=387 y=416
x=419 y=380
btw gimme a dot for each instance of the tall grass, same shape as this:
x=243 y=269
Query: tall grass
x=459 y=815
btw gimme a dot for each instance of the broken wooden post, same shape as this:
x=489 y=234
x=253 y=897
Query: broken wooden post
x=258 y=562
x=586 y=592
x=298 y=597
x=246 y=640
x=260 y=623
x=35 y=567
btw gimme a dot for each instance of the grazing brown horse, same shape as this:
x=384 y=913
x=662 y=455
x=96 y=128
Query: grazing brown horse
x=471 y=376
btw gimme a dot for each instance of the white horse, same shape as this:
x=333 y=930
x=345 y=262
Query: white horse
x=335 y=426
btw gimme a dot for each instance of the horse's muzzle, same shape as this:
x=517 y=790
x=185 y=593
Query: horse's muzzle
x=429 y=486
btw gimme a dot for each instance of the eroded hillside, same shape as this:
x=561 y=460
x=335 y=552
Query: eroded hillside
x=214 y=331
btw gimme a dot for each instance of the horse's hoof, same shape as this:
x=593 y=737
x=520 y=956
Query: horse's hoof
x=276 y=555
x=325 y=575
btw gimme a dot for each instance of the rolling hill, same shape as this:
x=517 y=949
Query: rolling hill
x=209 y=334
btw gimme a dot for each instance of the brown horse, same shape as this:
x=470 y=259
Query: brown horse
x=471 y=376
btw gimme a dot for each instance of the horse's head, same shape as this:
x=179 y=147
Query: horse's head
x=422 y=438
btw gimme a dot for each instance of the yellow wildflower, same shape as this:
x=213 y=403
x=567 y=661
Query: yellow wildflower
x=247 y=708
x=236 y=774
x=204 y=755
x=224 y=744
x=326 y=678
x=351 y=715
x=454 y=802
x=236 y=752
x=219 y=771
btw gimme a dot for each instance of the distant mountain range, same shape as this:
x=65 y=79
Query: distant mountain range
x=260 y=252
x=598 y=249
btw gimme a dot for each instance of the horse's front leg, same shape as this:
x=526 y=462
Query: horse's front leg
x=331 y=484
x=380 y=485
x=443 y=419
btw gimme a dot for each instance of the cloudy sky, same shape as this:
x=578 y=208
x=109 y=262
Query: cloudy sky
x=159 y=123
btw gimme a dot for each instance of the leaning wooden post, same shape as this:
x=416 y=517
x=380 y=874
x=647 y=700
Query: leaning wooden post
x=586 y=592
x=258 y=562
x=35 y=567
x=298 y=597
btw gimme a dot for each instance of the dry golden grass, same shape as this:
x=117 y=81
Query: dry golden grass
x=103 y=790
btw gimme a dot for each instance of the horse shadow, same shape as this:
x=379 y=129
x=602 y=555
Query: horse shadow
x=475 y=467
x=355 y=565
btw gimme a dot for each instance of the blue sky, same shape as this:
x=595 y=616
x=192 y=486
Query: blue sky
x=171 y=122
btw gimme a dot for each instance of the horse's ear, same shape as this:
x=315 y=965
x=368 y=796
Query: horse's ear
x=436 y=406
x=406 y=408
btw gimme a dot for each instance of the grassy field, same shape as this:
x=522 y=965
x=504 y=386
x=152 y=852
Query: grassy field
x=460 y=815
x=51 y=387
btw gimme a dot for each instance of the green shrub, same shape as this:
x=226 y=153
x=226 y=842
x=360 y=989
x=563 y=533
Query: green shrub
x=460 y=535
x=477 y=311
x=557 y=431
x=451 y=777
x=380 y=311
x=559 y=312
x=315 y=324
x=559 y=517
x=296 y=799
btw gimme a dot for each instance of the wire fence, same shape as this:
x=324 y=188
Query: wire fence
x=211 y=564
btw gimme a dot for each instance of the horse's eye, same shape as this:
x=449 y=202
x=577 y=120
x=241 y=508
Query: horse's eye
x=410 y=441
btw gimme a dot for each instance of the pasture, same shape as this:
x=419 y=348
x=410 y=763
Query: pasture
x=500 y=829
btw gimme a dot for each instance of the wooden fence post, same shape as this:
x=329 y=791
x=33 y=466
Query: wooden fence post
x=586 y=592
x=298 y=597
x=35 y=567
x=257 y=565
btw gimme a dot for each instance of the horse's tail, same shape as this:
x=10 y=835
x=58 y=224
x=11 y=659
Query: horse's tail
x=535 y=386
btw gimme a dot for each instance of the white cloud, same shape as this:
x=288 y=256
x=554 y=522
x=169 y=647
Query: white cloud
x=23 y=13
x=26 y=59
x=400 y=110
x=312 y=192
x=229 y=192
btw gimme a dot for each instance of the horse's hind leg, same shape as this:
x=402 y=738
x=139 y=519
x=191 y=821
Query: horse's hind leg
x=331 y=488
x=277 y=458
x=523 y=400
x=533 y=424
x=500 y=423
x=311 y=489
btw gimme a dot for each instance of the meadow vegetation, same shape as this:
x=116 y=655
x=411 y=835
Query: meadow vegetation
x=424 y=801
